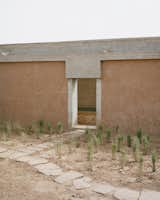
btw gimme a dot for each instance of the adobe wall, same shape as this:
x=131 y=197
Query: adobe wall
x=131 y=94
x=32 y=91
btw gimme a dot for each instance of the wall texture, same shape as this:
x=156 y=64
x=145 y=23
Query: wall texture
x=32 y=91
x=131 y=94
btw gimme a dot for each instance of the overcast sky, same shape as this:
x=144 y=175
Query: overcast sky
x=60 y=20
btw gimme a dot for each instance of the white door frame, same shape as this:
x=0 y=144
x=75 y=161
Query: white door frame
x=73 y=102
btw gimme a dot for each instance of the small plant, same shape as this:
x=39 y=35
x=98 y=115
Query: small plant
x=145 y=144
x=96 y=142
x=59 y=128
x=120 y=139
x=139 y=135
x=108 y=135
x=49 y=128
x=87 y=135
x=99 y=134
x=113 y=151
x=59 y=149
x=123 y=158
x=154 y=159
x=90 y=150
x=117 y=129
x=7 y=128
x=135 y=148
x=129 y=141
x=140 y=168
x=41 y=126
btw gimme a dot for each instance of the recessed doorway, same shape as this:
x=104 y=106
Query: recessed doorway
x=86 y=101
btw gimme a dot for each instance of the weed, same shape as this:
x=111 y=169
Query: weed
x=7 y=128
x=154 y=159
x=59 y=149
x=49 y=128
x=59 y=128
x=87 y=135
x=135 y=148
x=139 y=135
x=41 y=125
x=129 y=141
x=113 y=151
x=120 y=139
x=90 y=150
x=99 y=134
x=145 y=144
x=117 y=129
x=108 y=135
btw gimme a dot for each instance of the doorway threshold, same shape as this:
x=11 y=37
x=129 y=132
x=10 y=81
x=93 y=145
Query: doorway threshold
x=79 y=126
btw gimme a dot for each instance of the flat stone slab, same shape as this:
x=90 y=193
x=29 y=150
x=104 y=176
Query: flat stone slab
x=35 y=148
x=150 y=195
x=32 y=160
x=68 y=177
x=49 y=169
x=36 y=160
x=16 y=155
x=105 y=189
x=45 y=145
x=6 y=154
x=82 y=183
x=26 y=150
x=2 y=149
x=126 y=194
x=48 y=154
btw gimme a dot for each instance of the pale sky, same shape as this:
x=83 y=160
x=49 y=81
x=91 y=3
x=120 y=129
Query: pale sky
x=62 y=20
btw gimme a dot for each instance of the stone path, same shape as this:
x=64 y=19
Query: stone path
x=71 y=178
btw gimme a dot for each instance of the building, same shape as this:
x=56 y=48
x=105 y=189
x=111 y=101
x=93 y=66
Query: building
x=115 y=81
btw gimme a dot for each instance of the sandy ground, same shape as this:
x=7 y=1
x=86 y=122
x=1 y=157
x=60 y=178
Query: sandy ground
x=19 y=181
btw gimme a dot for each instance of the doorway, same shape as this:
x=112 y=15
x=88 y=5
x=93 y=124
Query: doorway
x=86 y=101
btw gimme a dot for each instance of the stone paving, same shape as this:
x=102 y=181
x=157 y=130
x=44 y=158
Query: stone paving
x=74 y=179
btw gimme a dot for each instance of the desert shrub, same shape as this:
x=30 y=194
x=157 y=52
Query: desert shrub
x=122 y=158
x=117 y=129
x=119 y=140
x=59 y=149
x=87 y=135
x=129 y=140
x=49 y=128
x=135 y=148
x=59 y=128
x=139 y=135
x=145 y=144
x=90 y=150
x=7 y=128
x=96 y=142
x=154 y=159
x=99 y=134
x=41 y=126
x=108 y=135
x=113 y=150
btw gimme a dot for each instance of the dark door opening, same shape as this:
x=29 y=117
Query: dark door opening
x=87 y=101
